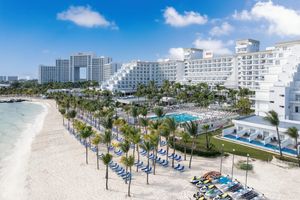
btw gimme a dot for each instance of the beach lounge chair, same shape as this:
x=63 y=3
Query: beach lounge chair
x=171 y=155
x=165 y=164
x=178 y=165
x=181 y=168
x=148 y=170
x=178 y=158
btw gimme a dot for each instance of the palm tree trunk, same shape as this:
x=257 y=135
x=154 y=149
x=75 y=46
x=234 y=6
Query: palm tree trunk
x=106 y=177
x=206 y=137
x=129 y=182
x=190 y=163
x=138 y=155
x=126 y=167
x=148 y=167
x=167 y=151
x=154 y=170
x=97 y=158
x=173 y=150
x=185 y=152
x=279 y=141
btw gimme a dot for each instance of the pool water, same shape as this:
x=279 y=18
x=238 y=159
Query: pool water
x=179 y=117
x=258 y=143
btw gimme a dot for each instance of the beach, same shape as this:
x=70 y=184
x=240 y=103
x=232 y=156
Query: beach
x=57 y=170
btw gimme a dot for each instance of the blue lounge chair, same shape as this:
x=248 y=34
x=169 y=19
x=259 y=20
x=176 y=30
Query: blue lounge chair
x=181 y=168
x=178 y=165
x=178 y=158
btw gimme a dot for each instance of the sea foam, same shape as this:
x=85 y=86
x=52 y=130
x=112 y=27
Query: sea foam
x=14 y=166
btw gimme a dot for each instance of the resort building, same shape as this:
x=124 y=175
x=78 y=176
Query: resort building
x=80 y=66
x=130 y=75
x=110 y=69
x=274 y=75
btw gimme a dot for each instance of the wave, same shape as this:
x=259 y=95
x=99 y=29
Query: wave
x=14 y=167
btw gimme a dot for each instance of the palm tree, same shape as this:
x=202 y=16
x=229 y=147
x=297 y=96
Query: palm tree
x=165 y=132
x=96 y=140
x=106 y=160
x=63 y=112
x=293 y=133
x=154 y=139
x=70 y=115
x=134 y=113
x=192 y=128
x=119 y=123
x=106 y=138
x=143 y=111
x=125 y=147
x=159 y=112
x=144 y=122
x=108 y=123
x=172 y=126
x=272 y=118
x=205 y=128
x=136 y=139
x=85 y=134
x=147 y=146
x=185 y=138
x=128 y=162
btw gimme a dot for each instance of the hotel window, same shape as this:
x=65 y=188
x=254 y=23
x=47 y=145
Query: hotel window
x=296 y=109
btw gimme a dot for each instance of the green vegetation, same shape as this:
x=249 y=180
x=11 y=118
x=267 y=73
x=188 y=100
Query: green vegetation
x=244 y=166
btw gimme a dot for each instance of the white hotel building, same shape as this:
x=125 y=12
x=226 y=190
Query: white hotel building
x=274 y=75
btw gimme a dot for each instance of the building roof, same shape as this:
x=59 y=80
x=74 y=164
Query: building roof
x=255 y=119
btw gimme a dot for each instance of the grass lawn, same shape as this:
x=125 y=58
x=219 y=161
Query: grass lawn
x=241 y=150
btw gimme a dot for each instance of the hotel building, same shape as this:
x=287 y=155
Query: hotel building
x=80 y=66
x=274 y=75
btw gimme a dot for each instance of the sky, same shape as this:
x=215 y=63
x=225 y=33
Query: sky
x=35 y=32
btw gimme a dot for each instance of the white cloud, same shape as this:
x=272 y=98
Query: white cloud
x=281 y=20
x=224 y=29
x=217 y=46
x=86 y=17
x=243 y=15
x=176 y=54
x=173 y=18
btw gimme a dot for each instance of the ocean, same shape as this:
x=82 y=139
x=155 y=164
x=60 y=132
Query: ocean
x=19 y=123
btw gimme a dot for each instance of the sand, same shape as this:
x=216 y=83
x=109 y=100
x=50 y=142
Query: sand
x=57 y=170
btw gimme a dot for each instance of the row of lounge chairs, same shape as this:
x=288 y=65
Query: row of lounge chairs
x=175 y=156
x=147 y=169
x=120 y=171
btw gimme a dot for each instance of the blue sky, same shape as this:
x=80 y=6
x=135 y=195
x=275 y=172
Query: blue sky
x=34 y=32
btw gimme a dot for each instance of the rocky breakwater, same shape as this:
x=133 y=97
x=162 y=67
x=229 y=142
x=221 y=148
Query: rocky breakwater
x=11 y=100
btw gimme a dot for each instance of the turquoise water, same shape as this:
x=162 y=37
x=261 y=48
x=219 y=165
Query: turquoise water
x=179 y=117
x=19 y=123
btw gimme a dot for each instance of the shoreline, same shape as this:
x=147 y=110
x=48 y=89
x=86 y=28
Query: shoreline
x=57 y=170
x=15 y=168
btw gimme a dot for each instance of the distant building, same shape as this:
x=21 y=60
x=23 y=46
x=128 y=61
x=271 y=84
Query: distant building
x=2 y=78
x=110 y=69
x=70 y=70
x=12 y=78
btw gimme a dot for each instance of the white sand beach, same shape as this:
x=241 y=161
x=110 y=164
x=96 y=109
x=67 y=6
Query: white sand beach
x=57 y=170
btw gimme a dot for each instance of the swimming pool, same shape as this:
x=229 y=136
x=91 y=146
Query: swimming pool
x=179 y=117
x=260 y=144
